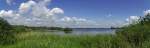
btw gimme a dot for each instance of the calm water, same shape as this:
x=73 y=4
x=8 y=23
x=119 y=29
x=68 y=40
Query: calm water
x=93 y=31
x=89 y=31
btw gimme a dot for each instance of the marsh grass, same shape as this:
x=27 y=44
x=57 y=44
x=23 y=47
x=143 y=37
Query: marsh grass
x=45 y=40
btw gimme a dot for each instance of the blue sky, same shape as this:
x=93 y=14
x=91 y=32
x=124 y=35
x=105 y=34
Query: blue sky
x=96 y=9
x=103 y=12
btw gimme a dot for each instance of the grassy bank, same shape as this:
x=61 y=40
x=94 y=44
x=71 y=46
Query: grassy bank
x=46 y=40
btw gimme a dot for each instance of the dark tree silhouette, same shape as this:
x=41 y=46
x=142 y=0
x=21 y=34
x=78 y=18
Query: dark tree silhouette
x=6 y=34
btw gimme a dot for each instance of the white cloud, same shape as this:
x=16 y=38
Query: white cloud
x=78 y=22
x=32 y=13
x=73 y=19
x=38 y=13
x=133 y=19
x=57 y=11
x=146 y=12
x=9 y=13
x=37 y=9
x=24 y=7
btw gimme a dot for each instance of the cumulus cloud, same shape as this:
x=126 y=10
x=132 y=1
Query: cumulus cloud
x=24 y=7
x=57 y=11
x=36 y=13
x=72 y=19
x=78 y=22
x=146 y=12
x=135 y=19
x=9 y=13
x=6 y=13
x=132 y=19
x=37 y=9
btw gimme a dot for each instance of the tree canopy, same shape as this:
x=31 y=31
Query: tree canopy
x=6 y=34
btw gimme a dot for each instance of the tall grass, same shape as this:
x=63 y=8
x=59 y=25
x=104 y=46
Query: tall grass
x=46 y=40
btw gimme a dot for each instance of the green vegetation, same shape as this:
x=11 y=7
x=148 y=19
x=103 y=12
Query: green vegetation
x=6 y=34
x=135 y=35
x=67 y=30
x=46 y=40
x=21 y=28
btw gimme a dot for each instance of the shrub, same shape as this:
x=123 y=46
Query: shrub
x=67 y=30
x=20 y=29
x=6 y=34
x=118 y=42
x=136 y=34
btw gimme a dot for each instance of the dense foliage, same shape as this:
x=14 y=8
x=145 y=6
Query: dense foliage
x=7 y=36
x=21 y=28
x=136 y=34
x=67 y=30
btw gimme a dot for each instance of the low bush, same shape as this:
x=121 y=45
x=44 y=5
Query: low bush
x=67 y=30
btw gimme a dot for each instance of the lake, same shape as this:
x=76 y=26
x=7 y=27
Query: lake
x=89 y=31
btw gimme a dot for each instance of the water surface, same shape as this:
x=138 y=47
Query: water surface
x=88 y=31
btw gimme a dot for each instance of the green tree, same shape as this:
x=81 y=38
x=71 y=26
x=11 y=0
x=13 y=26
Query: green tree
x=136 y=34
x=6 y=34
x=145 y=19
x=67 y=30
